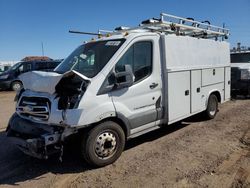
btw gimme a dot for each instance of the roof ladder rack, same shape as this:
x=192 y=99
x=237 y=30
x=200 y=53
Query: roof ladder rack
x=181 y=26
x=188 y=26
x=171 y=24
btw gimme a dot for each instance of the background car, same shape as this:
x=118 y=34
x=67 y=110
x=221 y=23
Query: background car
x=9 y=79
x=240 y=71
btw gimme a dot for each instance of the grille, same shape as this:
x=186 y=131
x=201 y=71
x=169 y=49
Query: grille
x=37 y=108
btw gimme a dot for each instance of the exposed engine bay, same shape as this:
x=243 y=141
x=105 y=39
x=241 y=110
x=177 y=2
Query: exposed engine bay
x=70 y=90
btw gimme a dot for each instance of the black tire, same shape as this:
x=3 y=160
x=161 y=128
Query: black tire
x=16 y=85
x=103 y=144
x=212 y=107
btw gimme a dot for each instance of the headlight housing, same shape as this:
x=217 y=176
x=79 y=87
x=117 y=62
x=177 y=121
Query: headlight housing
x=4 y=76
x=245 y=74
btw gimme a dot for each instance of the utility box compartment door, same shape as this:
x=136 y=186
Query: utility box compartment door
x=212 y=76
x=227 y=83
x=196 y=93
x=178 y=95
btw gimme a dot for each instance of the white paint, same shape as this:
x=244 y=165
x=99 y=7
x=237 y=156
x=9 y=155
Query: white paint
x=184 y=52
x=178 y=102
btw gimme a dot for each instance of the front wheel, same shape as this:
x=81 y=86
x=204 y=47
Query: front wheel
x=16 y=85
x=103 y=144
x=212 y=107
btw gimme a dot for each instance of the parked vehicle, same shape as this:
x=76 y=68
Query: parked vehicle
x=9 y=79
x=240 y=71
x=4 y=68
x=122 y=85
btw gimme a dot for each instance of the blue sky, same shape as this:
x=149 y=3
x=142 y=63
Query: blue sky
x=24 y=24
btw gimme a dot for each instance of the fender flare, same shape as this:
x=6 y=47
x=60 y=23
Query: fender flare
x=118 y=118
x=218 y=95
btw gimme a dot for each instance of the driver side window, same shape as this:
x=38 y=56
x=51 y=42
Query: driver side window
x=139 y=56
x=20 y=69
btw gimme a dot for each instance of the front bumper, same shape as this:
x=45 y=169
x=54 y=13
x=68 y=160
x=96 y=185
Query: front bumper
x=34 y=139
x=5 y=84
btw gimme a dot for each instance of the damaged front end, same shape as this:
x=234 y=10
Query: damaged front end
x=35 y=139
x=39 y=127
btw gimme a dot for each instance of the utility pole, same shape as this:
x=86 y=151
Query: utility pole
x=224 y=26
x=42 y=50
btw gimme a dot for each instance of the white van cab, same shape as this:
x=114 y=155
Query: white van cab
x=122 y=85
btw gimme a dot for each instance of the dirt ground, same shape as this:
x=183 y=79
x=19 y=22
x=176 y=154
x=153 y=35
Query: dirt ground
x=7 y=107
x=192 y=153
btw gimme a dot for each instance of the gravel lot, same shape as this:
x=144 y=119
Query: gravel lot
x=7 y=107
x=192 y=153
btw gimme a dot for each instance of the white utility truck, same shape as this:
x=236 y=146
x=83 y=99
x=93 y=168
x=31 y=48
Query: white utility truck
x=121 y=85
x=240 y=71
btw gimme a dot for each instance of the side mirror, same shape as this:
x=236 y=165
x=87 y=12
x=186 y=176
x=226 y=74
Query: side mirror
x=124 y=78
x=118 y=80
x=17 y=72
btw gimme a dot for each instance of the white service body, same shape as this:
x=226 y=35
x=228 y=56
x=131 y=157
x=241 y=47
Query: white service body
x=125 y=83
x=186 y=70
x=181 y=73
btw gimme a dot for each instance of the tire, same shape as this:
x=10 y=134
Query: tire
x=103 y=144
x=16 y=85
x=212 y=107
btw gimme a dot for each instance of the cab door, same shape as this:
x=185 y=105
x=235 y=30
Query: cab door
x=24 y=67
x=140 y=102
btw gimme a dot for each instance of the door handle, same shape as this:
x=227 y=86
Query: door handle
x=198 y=90
x=153 y=85
x=187 y=92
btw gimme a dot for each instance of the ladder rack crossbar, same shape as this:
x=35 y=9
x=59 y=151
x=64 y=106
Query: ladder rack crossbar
x=195 y=29
x=183 y=29
x=195 y=24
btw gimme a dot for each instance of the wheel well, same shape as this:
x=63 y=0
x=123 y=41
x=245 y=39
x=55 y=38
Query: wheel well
x=120 y=122
x=16 y=81
x=114 y=119
x=217 y=94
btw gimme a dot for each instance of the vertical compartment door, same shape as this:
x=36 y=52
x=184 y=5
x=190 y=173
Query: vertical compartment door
x=196 y=100
x=178 y=95
x=227 y=82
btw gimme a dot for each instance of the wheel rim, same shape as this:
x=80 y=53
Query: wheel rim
x=16 y=86
x=213 y=107
x=105 y=145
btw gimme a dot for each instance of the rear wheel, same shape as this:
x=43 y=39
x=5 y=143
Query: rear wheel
x=16 y=85
x=103 y=144
x=212 y=107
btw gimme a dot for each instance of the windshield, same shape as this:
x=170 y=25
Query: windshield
x=240 y=58
x=14 y=67
x=90 y=58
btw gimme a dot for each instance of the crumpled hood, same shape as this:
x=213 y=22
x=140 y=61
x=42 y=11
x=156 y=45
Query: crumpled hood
x=44 y=81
